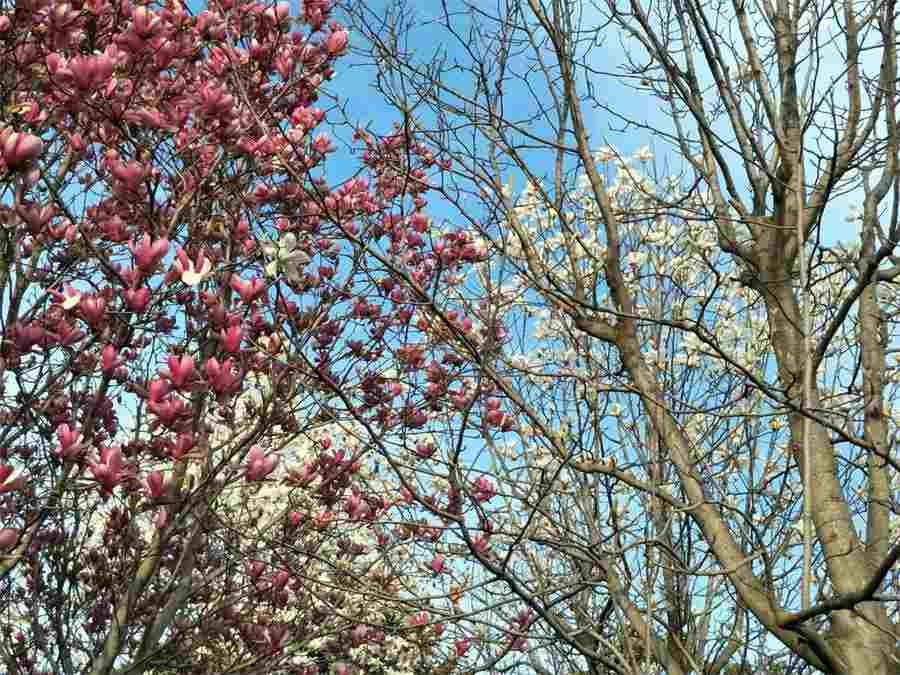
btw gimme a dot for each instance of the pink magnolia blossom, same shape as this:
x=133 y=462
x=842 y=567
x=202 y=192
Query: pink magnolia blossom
x=137 y=299
x=425 y=450
x=145 y=22
x=222 y=377
x=336 y=42
x=68 y=298
x=278 y=13
x=90 y=72
x=280 y=579
x=109 y=359
x=9 y=480
x=417 y=619
x=248 y=290
x=20 y=148
x=8 y=538
x=155 y=484
x=130 y=174
x=169 y=411
x=109 y=471
x=259 y=464
x=345 y=668
x=323 y=144
x=184 y=443
x=157 y=389
x=255 y=568
x=69 y=442
x=93 y=308
x=180 y=370
x=191 y=272
x=231 y=339
x=147 y=254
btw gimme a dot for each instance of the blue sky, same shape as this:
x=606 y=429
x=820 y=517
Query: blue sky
x=354 y=83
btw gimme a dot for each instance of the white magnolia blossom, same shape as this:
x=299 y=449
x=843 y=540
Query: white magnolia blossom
x=643 y=154
x=285 y=256
x=606 y=154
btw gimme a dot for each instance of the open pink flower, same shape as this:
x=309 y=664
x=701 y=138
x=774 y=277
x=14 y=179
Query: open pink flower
x=69 y=297
x=248 y=290
x=191 y=272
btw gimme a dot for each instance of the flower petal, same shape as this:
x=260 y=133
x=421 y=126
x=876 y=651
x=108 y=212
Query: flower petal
x=297 y=257
x=192 y=277
x=288 y=241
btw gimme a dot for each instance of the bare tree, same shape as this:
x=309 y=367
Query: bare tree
x=680 y=383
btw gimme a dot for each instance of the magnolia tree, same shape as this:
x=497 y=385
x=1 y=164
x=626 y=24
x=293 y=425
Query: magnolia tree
x=179 y=287
x=655 y=409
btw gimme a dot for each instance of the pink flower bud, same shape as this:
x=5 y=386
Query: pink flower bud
x=183 y=444
x=137 y=299
x=93 y=309
x=418 y=619
x=248 y=290
x=278 y=13
x=180 y=371
x=484 y=490
x=155 y=484
x=146 y=254
x=8 y=538
x=438 y=564
x=231 y=339
x=69 y=441
x=255 y=568
x=424 y=450
x=144 y=22
x=494 y=417
x=336 y=42
x=157 y=390
x=259 y=465
x=280 y=579
x=109 y=359
x=21 y=148
x=109 y=470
